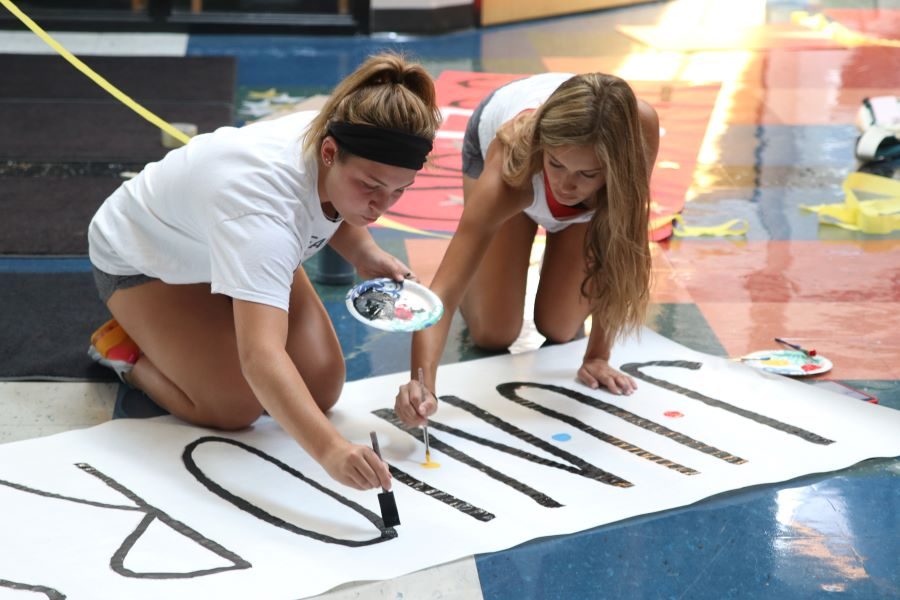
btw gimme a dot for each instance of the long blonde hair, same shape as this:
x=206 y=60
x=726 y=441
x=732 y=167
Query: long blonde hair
x=598 y=110
x=385 y=91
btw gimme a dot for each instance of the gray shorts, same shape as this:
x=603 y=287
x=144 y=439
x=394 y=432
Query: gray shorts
x=107 y=284
x=472 y=157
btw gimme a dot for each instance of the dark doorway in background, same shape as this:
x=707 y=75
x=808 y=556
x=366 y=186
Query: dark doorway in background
x=197 y=16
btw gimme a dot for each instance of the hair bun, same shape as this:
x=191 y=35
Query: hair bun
x=388 y=77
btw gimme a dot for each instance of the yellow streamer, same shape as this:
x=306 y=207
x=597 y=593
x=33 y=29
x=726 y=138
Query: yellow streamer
x=93 y=76
x=838 y=32
x=876 y=217
x=732 y=227
x=264 y=95
x=660 y=222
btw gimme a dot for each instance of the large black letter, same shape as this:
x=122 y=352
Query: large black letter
x=385 y=533
x=150 y=514
x=634 y=369
x=508 y=390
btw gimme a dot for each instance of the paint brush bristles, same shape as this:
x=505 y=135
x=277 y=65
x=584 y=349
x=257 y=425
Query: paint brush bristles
x=386 y=501
x=423 y=391
x=796 y=347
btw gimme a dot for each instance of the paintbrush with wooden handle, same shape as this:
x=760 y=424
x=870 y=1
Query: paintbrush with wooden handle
x=423 y=391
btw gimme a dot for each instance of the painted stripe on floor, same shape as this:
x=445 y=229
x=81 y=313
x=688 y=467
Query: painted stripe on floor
x=97 y=44
x=42 y=264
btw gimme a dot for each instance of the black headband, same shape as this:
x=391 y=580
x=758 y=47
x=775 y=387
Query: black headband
x=388 y=146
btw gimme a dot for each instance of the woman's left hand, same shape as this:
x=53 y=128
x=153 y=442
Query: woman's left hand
x=595 y=372
x=378 y=263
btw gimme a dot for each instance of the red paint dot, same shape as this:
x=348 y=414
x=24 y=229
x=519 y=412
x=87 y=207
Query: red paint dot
x=403 y=312
x=673 y=413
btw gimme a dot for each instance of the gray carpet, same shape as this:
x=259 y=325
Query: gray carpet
x=63 y=148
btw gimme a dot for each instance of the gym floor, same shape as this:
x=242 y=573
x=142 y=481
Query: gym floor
x=780 y=134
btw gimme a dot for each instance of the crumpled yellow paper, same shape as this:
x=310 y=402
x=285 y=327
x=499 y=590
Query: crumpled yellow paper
x=732 y=227
x=876 y=217
x=838 y=32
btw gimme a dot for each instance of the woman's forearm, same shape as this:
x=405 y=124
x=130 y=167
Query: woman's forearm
x=427 y=348
x=599 y=345
x=280 y=389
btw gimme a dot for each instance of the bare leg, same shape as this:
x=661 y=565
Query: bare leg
x=313 y=344
x=190 y=363
x=495 y=300
x=559 y=308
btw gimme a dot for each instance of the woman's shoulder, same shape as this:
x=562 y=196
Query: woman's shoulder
x=287 y=124
x=257 y=146
x=492 y=185
x=510 y=128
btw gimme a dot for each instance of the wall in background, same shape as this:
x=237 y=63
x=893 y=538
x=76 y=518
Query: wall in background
x=495 y=12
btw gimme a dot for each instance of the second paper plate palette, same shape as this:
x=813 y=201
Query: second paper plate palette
x=787 y=362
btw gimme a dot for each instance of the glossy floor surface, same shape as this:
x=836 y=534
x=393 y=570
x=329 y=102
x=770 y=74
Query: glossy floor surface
x=778 y=133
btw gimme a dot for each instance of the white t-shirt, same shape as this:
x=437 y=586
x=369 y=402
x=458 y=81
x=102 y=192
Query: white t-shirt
x=237 y=208
x=507 y=102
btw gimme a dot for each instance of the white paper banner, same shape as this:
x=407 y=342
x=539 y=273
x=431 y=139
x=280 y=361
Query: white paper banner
x=160 y=509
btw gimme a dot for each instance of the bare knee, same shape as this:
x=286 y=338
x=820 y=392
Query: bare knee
x=228 y=413
x=497 y=337
x=324 y=380
x=238 y=420
x=328 y=394
x=558 y=331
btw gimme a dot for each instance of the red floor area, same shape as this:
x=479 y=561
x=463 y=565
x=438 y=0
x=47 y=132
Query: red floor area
x=876 y=21
x=839 y=297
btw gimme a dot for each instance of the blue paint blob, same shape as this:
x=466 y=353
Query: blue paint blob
x=562 y=437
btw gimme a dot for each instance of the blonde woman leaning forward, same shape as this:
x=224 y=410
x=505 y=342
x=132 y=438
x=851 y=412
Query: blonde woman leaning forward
x=572 y=154
x=199 y=259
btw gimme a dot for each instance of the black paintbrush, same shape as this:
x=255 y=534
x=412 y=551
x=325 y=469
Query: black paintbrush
x=389 y=513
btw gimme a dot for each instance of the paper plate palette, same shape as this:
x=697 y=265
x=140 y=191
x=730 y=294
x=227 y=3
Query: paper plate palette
x=394 y=305
x=788 y=362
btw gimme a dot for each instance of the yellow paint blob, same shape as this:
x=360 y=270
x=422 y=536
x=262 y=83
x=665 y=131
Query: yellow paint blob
x=429 y=464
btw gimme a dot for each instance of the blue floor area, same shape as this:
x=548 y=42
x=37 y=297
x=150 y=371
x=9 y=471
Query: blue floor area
x=751 y=544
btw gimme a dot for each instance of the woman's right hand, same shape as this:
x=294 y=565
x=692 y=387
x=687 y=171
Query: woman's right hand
x=414 y=404
x=357 y=466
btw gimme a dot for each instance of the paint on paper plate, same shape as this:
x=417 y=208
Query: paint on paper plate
x=394 y=305
x=788 y=362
